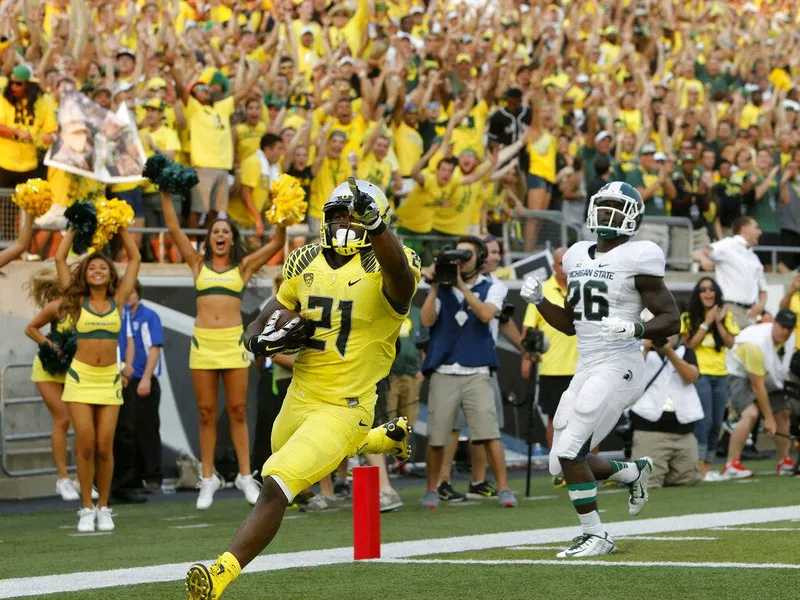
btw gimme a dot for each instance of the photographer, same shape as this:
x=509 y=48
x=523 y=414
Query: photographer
x=664 y=418
x=461 y=356
x=558 y=365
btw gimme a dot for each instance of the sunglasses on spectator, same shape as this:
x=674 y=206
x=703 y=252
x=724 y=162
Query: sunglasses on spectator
x=705 y=288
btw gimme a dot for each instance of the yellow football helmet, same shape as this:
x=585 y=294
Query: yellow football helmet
x=347 y=241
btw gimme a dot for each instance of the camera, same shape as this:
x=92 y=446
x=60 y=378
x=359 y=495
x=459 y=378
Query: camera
x=534 y=342
x=447 y=263
x=506 y=313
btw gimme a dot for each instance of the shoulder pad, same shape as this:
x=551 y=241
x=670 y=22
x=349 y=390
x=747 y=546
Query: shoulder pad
x=299 y=259
x=648 y=259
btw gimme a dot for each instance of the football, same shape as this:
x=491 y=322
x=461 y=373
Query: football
x=298 y=335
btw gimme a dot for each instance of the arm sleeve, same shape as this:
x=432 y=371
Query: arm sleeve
x=751 y=357
x=156 y=333
x=650 y=260
x=497 y=294
x=719 y=250
x=731 y=325
x=532 y=317
x=251 y=172
x=762 y=281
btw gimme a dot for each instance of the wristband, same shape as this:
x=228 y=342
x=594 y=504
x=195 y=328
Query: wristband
x=377 y=230
x=641 y=334
x=703 y=326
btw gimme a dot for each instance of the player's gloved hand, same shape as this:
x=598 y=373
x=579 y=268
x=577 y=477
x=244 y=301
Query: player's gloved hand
x=531 y=290
x=364 y=208
x=274 y=340
x=614 y=329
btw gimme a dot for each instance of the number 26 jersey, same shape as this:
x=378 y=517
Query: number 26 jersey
x=353 y=323
x=602 y=285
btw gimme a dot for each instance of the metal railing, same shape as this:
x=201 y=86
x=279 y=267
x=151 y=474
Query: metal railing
x=774 y=251
x=6 y=439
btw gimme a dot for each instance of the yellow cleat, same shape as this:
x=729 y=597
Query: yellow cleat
x=392 y=438
x=558 y=481
x=208 y=583
x=398 y=431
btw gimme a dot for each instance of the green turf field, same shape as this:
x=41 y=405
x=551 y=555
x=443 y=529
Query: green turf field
x=46 y=544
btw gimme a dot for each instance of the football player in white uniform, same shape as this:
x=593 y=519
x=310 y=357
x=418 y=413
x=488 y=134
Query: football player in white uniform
x=609 y=282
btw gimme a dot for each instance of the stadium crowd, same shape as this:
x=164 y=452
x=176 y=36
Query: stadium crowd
x=463 y=113
x=694 y=103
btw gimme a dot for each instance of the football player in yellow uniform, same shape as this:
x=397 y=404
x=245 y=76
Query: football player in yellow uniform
x=354 y=289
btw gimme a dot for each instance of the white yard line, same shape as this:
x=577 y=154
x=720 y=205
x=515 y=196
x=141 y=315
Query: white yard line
x=600 y=563
x=185 y=518
x=72 y=582
x=662 y=538
x=192 y=526
x=795 y=529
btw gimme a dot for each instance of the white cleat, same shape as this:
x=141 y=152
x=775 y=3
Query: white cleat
x=589 y=545
x=249 y=486
x=638 y=489
x=208 y=487
x=66 y=490
x=86 y=518
x=105 y=519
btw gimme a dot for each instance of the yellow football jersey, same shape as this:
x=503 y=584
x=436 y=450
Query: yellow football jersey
x=354 y=325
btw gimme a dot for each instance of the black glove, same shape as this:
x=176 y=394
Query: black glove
x=365 y=208
x=287 y=339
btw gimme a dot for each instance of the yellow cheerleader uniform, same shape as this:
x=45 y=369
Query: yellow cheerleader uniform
x=39 y=374
x=215 y=349
x=90 y=384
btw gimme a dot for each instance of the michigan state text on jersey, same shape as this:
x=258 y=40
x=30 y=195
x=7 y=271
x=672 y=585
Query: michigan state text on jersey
x=609 y=282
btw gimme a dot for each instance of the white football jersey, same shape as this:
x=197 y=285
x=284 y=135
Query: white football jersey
x=602 y=285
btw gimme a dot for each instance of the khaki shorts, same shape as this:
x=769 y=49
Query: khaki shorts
x=403 y=398
x=740 y=396
x=211 y=191
x=472 y=393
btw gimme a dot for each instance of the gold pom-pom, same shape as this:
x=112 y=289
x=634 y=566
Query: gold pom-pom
x=34 y=196
x=112 y=216
x=287 y=201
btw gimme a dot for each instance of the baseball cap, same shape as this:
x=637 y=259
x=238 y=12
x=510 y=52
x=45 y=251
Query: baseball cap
x=122 y=86
x=346 y=60
x=306 y=29
x=463 y=58
x=689 y=156
x=417 y=10
x=126 y=51
x=602 y=136
x=659 y=157
x=786 y=318
x=21 y=73
x=647 y=149
x=155 y=83
x=154 y=103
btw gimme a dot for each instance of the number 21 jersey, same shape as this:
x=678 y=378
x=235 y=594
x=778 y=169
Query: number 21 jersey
x=354 y=325
x=602 y=285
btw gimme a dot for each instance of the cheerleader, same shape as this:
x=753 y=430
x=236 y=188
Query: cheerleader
x=22 y=243
x=45 y=292
x=217 y=352
x=94 y=296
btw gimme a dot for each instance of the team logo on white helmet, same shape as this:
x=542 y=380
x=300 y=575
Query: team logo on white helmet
x=351 y=238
